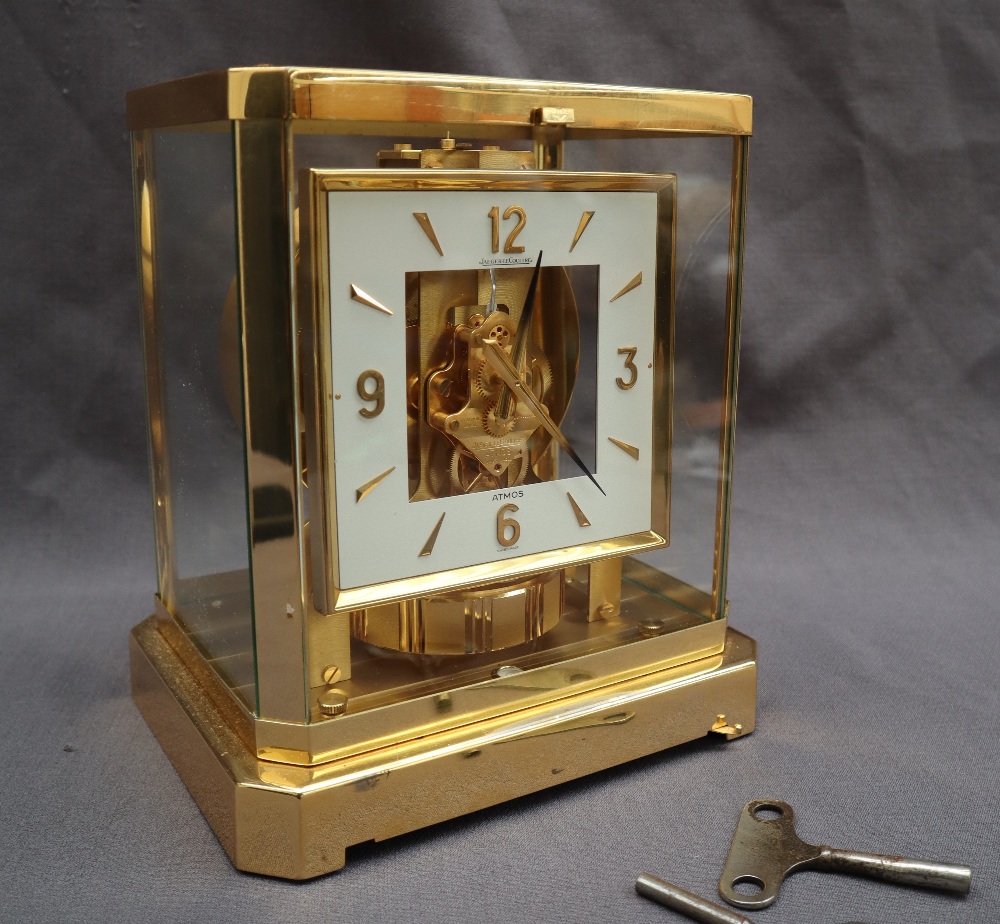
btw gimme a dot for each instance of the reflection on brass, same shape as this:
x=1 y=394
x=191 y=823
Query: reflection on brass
x=633 y=283
x=584 y=221
x=633 y=451
x=368 y=486
x=359 y=295
x=503 y=521
x=554 y=115
x=475 y=621
x=377 y=394
x=581 y=517
x=428 y=228
x=432 y=538
x=493 y=571
x=384 y=102
x=629 y=361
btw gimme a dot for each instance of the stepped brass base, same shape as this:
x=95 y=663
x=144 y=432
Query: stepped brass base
x=297 y=822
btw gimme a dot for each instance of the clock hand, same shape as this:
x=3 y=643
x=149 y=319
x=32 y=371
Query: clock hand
x=506 y=406
x=492 y=306
x=497 y=358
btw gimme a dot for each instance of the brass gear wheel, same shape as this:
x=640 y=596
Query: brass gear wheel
x=492 y=424
x=486 y=381
x=501 y=333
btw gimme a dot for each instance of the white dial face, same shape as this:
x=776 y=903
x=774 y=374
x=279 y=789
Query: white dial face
x=376 y=238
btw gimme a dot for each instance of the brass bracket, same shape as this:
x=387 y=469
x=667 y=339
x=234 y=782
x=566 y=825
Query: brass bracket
x=548 y=133
x=725 y=729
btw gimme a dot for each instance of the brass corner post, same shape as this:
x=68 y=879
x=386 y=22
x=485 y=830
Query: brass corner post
x=271 y=408
x=548 y=134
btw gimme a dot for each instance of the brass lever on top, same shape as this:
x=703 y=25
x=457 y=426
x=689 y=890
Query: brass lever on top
x=766 y=849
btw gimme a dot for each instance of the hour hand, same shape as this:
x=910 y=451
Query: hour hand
x=503 y=367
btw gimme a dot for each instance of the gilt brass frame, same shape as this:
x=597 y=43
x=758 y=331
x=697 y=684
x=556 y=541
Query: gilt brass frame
x=360 y=102
x=264 y=108
x=271 y=776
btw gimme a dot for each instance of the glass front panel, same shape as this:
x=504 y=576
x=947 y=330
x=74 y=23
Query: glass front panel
x=443 y=657
x=196 y=336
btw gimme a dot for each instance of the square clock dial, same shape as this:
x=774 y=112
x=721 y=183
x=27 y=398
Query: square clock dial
x=493 y=362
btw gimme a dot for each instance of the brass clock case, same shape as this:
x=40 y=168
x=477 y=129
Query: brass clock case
x=355 y=633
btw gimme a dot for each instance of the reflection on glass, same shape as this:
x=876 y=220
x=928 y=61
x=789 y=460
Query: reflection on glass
x=207 y=586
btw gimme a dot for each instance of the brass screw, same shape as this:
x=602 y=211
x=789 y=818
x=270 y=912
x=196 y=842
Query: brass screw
x=651 y=627
x=605 y=611
x=331 y=675
x=333 y=702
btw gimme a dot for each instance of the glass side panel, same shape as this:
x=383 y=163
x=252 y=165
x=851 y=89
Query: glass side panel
x=207 y=582
x=703 y=166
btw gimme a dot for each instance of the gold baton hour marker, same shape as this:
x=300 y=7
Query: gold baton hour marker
x=360 y=295
x=633 y=283
x=425 y=223
x=431 y=539
x=369 y=486
x=584 y=221
x=633 y=451
x=581 y=517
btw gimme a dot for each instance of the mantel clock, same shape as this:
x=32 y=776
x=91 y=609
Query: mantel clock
x=441 y=387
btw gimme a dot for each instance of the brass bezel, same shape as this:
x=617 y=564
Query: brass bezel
x=320 y=438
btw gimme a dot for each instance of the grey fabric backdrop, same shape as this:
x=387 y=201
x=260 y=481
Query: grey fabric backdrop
x=865 y=544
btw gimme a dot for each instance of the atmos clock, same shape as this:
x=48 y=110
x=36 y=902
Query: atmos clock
x=441 y=380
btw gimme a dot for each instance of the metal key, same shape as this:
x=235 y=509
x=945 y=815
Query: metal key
x=766 y=849
x=678 y=899
x=687 y=903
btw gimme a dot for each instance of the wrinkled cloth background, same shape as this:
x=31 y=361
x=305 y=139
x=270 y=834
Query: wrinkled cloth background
x=865 y=542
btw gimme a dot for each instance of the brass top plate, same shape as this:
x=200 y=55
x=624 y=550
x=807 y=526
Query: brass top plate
x=384 y=102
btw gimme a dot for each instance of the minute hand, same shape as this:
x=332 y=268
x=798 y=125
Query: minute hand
x=497 y=358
